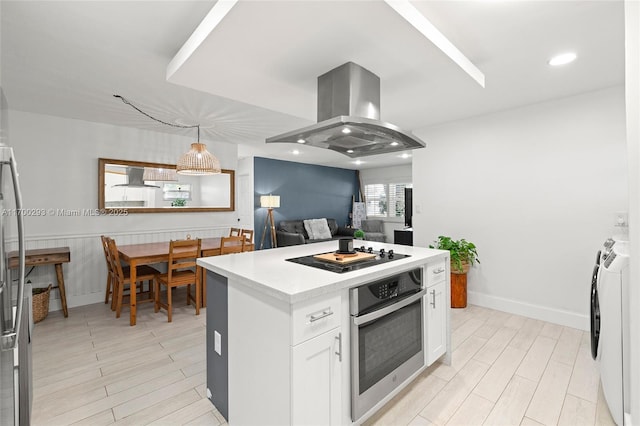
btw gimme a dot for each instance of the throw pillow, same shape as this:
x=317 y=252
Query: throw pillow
x=317 y=229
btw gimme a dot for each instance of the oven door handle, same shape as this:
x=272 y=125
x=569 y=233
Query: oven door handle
x=363 y=319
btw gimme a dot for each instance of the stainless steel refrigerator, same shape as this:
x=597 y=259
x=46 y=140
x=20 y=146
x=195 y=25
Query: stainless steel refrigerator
x=15 y=299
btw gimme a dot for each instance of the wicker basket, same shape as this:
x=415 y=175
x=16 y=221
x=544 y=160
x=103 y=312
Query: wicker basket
x=40 y=303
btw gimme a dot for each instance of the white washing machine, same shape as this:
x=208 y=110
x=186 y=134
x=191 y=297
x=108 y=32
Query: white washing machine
x=613 y=339
x=595 y=301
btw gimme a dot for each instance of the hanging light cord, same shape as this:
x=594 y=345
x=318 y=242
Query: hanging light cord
x=126 y=101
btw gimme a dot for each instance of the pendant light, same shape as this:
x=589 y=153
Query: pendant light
x=197 y=161
x=159 y=174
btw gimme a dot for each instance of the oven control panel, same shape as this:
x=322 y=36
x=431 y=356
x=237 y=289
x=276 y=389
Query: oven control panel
x=385 y=290
x=374 y=294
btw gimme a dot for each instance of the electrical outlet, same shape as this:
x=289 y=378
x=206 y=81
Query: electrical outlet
x=217 y=342
x=621 y=219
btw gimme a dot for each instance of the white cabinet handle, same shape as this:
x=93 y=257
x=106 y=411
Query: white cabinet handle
x=433 y=298
x=339 y=352
x=323 y=314
x=438 y=271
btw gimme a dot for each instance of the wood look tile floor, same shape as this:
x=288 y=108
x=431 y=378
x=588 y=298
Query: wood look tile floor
x=94 y=369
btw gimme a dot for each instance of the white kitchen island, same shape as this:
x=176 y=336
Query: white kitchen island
x=278 y=333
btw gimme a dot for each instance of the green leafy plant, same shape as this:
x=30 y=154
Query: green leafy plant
x=179 y=202
x=460 y=251
x=359 y=233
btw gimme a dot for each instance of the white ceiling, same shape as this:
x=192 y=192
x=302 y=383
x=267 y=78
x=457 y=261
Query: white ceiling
x=255 y=75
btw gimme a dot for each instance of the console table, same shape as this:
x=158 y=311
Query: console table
x=48 y=256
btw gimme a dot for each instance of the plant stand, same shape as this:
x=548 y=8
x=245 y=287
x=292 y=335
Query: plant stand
x=458 y=290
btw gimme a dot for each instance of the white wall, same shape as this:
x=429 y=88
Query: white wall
x=58 y=164
x=632 y=86
x=535 y=188
x=391 y=174
x=246 y=202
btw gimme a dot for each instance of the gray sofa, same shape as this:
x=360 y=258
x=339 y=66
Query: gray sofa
x=373 y=230
x=292 y=232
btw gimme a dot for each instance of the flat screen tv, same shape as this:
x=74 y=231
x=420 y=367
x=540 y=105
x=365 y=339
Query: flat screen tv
x=408 y=206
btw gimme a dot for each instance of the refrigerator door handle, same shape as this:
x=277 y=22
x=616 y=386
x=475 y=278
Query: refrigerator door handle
x=10 y=339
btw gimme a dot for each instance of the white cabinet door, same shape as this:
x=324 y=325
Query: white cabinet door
x=317 y=380
x=436 y=311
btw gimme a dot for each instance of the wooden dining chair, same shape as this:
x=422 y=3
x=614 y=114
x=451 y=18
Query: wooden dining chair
x=110 y=276
x=122 y=279
x=235 y=232
x=248 y=239
x=181 y=270
x=231 y=245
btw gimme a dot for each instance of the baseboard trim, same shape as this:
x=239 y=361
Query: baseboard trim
x=73 y=301
x=544 y=313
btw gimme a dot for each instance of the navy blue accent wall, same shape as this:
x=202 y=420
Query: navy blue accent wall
x=306 y=192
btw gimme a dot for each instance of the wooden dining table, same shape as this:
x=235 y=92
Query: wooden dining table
x=149 y=253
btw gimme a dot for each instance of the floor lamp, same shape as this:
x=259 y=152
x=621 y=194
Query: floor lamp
x=269 y=202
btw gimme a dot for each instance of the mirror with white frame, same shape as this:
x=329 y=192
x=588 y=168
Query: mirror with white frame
x=140 y=187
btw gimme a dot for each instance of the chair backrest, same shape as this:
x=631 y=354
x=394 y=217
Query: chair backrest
x=231 y=244
x=248 y=239
x=105 y=247
x=183 y=255
x=235 y=232
x=114 y=258
x=248 y=235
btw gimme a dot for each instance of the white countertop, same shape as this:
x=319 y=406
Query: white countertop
x=268 y=271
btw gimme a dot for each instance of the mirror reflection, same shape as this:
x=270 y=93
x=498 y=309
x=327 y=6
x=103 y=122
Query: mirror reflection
x=152 y=188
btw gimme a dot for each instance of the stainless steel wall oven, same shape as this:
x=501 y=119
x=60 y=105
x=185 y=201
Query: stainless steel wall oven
x=387 y=338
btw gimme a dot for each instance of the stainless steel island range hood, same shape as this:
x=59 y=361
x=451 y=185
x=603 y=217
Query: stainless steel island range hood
x=135 y=179
x=349 y=117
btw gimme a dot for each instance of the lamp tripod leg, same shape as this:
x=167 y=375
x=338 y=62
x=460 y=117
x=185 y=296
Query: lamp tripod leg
x=274 y=242
x=264 y=231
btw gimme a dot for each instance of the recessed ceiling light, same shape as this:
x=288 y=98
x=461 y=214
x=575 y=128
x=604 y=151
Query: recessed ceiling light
x=346 y=130
x=404 y=155
x=562 y=59
x=394 y=143
x=358 y=162
x=295 y=152
x=350 y=151
x=301 y=140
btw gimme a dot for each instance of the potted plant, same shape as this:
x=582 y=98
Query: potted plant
x=463 y=255
x=358 y=234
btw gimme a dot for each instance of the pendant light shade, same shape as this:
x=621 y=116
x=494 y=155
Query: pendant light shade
x=198 y=162
x=159 y=175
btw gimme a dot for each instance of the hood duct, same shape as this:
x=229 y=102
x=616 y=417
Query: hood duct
x=349 y=117
x=135 y=179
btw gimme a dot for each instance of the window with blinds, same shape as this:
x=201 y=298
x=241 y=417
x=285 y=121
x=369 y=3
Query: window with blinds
x=176 y=191
x=385 y=199
x=376 y=197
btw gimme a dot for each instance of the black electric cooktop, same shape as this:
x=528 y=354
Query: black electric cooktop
x=382 y=256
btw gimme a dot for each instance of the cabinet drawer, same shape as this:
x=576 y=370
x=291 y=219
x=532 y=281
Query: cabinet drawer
x=313 y=317
x=436 y=272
